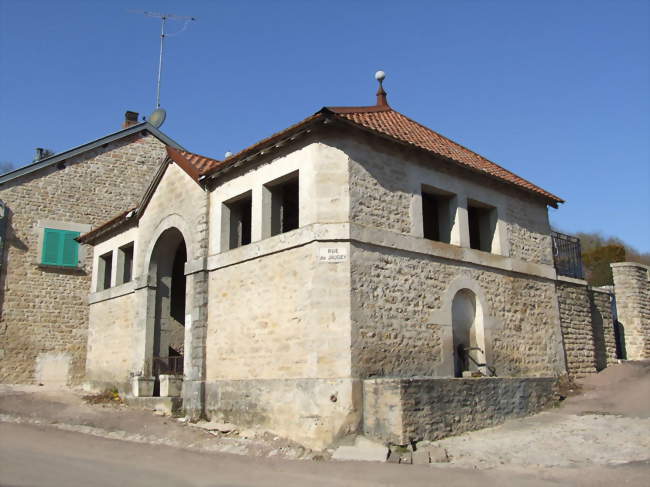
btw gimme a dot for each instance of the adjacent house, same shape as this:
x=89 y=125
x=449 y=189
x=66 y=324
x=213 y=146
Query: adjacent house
x=44 y=272
x=355 y=272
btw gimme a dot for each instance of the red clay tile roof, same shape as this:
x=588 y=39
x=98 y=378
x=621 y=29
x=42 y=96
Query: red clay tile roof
x=194 y=164
x=386 y=121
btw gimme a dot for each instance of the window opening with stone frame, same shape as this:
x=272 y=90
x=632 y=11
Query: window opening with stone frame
x=105 y=271
x=282 y=204
x=236 y=221
x=437 y=218
x=125 y=263
x=482 y=221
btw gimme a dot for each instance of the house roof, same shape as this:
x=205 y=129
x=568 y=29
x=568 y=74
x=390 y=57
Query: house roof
x=391 y=123
x=62 y=156
x=194 y=164
x=382 y=120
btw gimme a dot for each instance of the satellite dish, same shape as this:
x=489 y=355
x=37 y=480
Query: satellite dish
x=157 y=117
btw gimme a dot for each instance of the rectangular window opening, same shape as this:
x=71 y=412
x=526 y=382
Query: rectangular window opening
x=105 y=271
x=285 y=213
x=482 y=221
x=238 y=213
x=437 y=219
x=125 y=263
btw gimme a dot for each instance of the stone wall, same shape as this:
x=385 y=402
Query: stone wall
x=632 y=287
x=44 y=309
x=401 y=411
x=278 y=344
x=284 y=315
x=385 y=193
x=397 y=294
x=110 y=342
x=587 y=327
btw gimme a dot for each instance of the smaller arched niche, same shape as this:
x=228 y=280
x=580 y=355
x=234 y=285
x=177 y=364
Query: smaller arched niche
x=468 y=336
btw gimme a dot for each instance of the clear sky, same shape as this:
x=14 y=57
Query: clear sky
x=556 y=91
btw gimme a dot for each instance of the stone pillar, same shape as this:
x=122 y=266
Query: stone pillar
x=196 y=320
x=632 y=290
x=143 y=328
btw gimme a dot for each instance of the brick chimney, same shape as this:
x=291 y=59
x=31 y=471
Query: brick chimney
x=130 y=119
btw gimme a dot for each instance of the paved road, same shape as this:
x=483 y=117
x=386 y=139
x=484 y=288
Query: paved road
x=45 y=456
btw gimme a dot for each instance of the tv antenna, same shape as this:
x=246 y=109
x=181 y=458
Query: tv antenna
x=163 y=21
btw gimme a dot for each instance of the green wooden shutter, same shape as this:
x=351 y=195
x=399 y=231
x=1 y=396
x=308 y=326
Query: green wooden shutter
x=60 y=248
x=70 y=249
x=52 y=243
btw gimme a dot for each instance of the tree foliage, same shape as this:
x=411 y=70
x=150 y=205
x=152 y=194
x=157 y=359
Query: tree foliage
x=599 y=251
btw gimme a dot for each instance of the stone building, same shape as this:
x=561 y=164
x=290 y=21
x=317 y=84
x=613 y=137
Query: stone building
x=44 y=272
x=355 y=272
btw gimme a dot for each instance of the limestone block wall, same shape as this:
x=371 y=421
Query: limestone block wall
x=397 y=293
x=632 y=287
x=111 y=342
x=284 y=315
x=401 y=411
x=43 y=309
x=278 y=345
x=385 y=192
x=587 y=327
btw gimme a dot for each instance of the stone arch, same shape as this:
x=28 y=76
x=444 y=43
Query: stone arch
x=467 y=333
x=171 y=221
x=166 y=314
x=162 y=297
x=474 y=296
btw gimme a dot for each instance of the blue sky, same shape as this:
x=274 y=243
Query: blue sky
x=556 y=91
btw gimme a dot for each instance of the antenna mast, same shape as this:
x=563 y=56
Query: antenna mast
x=163 y=20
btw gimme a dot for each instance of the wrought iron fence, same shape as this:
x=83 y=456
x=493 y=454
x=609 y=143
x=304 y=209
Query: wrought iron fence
x=567 y=255
x=168 y=365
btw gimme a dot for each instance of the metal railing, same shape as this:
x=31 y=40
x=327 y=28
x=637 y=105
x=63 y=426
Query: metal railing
x=168 y=365
x=567 y=255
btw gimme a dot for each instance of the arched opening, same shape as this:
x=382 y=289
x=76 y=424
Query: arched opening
x=467 y=329
x=167 y=271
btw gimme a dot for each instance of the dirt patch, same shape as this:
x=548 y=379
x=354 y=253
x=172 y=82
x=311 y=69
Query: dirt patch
x=109 y=396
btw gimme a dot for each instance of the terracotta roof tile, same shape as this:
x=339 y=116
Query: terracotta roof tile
x=385 y=120
x=195 y=164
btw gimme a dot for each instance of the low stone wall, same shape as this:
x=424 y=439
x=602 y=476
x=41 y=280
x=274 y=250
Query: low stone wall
x=400 y=411
x=632 y=286
x=587 y=327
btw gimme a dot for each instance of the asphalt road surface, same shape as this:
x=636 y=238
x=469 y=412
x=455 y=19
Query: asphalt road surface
x=45 y=456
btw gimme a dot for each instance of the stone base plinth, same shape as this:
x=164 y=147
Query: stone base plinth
x=170 y=385
x=142 y=386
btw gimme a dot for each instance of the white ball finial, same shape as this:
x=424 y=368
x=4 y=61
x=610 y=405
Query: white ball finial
x=227 y=154
x=380 y=76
